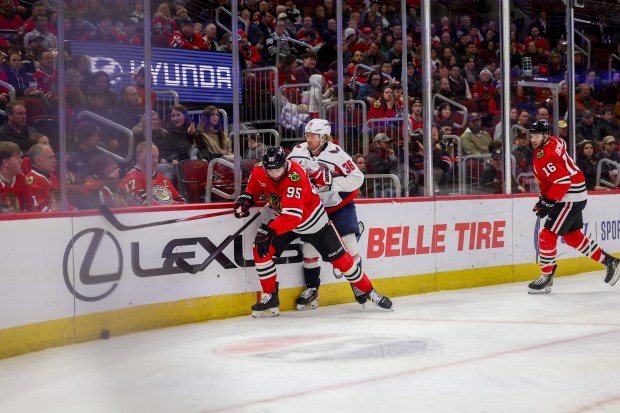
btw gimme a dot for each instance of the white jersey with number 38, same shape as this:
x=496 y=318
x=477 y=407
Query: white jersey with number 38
x=347 y=177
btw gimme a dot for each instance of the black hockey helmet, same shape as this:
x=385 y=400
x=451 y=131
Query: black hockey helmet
x=274 y=157
x=540 y=126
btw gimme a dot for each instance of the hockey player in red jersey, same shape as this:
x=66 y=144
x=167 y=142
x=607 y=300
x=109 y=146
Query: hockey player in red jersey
x=134 y=182
x=563 y=197
x=299 y=214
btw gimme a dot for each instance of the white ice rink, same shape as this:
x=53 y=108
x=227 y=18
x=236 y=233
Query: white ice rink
x=492 y=349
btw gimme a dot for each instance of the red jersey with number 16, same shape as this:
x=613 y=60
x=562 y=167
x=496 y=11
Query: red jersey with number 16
x=297 y=206
x=558 y=177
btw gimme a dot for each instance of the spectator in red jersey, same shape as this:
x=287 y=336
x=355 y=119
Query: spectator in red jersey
x=585 y=101
x=134 y=182
x=162 y=25
x=483 y=90
x=37 y=9
x=286 y=67
x=139 y=80
x=128 y=34
x=330 y=78
x=43 y=184
x=416 y=115
x=16 y=129
x=9 y=20
x=444 y=113
x=46 y=75
x=542 y=46
x=13 y=188
x=186 y=38
x=384 y=107
x=248 y=51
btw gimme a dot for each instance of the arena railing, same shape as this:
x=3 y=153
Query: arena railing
x=355 y=125
x=259 y=85
x=219 y=24
x=610 y=70
x=165 y=99
x=453 y=185
x=453 y=103
x=123 y=130
x=599 y=171
x=380 y=186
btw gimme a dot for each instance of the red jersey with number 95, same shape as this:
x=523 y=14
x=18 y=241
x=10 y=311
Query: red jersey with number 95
x=297 y=206
x=558 y=176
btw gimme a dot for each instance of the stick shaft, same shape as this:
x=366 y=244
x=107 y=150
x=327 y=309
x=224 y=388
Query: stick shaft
x=193 y=269
x=107 y=213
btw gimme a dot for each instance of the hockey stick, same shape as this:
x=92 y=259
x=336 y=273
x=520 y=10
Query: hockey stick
x=105 y=211
x=536 y=238
x=193 y=269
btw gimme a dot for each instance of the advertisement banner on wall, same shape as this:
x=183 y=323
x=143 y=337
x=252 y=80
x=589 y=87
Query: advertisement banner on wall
x=197 y=76
x=84 y=265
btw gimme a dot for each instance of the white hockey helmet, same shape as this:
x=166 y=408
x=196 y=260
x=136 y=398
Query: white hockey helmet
x=319 y=126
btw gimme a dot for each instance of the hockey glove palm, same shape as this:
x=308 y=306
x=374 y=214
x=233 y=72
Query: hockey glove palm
x=243 y=205
x=321 y=178
x=263 y=239
x=543 y=207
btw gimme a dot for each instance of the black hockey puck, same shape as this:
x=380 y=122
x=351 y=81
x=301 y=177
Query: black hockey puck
x=105 y=334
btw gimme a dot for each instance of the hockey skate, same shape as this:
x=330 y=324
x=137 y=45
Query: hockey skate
x=360 y=297
x=267 y=306
x=543 y=284
x=308 y=300
x=612 y=265
x=378 y=299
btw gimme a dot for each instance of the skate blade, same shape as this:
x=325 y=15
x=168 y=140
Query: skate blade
x=543 y=291
x=272 y=312
x=311 y=306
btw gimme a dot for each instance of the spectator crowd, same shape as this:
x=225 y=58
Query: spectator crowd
x=296 y=43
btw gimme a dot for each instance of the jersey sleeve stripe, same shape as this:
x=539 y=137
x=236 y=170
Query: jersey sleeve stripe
x=292 y=211
x=314 y=217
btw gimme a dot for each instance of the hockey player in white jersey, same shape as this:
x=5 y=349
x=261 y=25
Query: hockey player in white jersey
x=336 y=178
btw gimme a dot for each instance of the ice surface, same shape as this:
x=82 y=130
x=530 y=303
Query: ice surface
x=492 y=349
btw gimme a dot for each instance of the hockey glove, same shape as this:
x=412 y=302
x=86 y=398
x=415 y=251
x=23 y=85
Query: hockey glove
x=543 y=207
x=263 y=239
x=321 y=178
x=243 y=205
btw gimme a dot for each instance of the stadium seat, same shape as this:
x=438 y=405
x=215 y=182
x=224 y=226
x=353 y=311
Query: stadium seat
x=194 y=180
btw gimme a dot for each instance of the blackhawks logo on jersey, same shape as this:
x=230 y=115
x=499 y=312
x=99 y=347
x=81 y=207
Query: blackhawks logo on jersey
x=276 y=203
x=30 y=180
x=540 y=154
x=294 y=177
